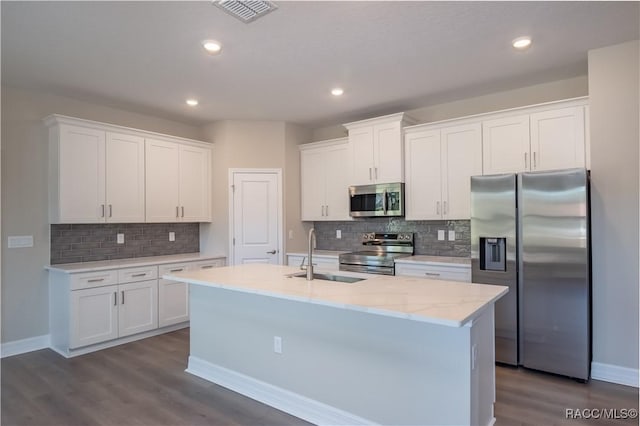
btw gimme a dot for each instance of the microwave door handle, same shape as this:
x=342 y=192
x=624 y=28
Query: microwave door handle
x=384 y=202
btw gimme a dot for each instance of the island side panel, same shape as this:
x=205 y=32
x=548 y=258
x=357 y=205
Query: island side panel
x=387 y=370
x=483 y=386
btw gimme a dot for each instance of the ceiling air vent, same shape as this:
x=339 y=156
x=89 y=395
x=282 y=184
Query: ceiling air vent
x=246 y=11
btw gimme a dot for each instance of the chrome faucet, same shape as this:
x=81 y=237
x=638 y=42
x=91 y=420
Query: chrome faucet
x=312 y=240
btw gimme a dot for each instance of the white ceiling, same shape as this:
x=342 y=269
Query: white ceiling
x=388 y=56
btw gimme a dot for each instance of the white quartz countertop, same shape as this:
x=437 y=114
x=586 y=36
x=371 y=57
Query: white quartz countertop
x=438 y=260
x=418 y=299
x=332 y=254
x=73 y=268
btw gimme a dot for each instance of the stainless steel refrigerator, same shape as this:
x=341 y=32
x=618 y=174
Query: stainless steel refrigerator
x=530 y=232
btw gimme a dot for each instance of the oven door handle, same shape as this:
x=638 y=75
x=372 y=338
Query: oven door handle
x=384 y=202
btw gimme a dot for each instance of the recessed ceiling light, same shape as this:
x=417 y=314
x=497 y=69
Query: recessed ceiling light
x=192 y=102
x=337 y=91
x=521 y=42
x=212 y=46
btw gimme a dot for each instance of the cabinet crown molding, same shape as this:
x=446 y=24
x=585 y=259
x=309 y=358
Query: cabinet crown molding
x=57 y=119
x=320 y=144
x=400 y=116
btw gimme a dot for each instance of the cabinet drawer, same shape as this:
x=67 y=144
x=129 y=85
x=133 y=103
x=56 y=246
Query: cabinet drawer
x=206 y=264
x=171 y=268
x=142 y=273
x=447 y=273
x=93 y=279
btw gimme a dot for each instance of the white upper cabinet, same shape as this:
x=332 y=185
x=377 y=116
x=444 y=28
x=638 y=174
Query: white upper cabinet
x=439 y=164
x=558 y=139
x=96 y=176
x=505 y=144
x=103 y=173
x=177 y=182
x=324 y=168
x=124 y=178
x=377 y=149
x=548 y=137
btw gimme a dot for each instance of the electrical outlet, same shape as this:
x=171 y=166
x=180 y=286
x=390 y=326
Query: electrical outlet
x=441 y=235
x=277 y=344
x=452 y=235
x=120 y=239
x=338 y=233
x=172 y=236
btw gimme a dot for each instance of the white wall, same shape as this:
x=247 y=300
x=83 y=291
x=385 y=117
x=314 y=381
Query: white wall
x=25 y=197
x=252 y=144
x=539 y=93
x=614 y=101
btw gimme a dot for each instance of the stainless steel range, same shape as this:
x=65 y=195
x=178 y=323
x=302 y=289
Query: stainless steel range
x=380 y=250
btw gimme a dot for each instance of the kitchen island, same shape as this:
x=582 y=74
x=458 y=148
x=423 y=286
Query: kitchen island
x=384 y=350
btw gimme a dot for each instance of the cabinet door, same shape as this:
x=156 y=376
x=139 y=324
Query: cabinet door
x=162 y=177
x=94 y=316
x=138 y=309
x=312 y=170
x=558 y=139
x=361 y=141
x=173 y=302
x=388 y=164
x=337 y=183
x=81 y=168
x=423 y=186
x=462 y=158
x=505 y=145
x=124 y=178
x=195 y=184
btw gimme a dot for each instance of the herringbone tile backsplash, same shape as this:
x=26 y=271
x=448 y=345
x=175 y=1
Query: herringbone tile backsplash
x=92 y=242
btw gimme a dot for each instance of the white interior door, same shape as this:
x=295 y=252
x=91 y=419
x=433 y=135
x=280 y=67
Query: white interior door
x=256 y=217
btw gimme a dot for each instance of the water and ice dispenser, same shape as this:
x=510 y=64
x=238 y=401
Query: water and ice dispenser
x=493 y=256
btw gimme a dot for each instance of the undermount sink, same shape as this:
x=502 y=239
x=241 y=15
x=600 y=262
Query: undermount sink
x=327 y=277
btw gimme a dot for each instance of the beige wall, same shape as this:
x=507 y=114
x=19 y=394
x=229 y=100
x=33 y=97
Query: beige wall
x=25 y=197
x=614 y=101
x=539 y=93
x=252 y=144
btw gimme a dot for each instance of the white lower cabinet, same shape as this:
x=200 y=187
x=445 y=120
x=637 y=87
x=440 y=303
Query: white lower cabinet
x=320 y=262
x=93 y=310
x=453 y=272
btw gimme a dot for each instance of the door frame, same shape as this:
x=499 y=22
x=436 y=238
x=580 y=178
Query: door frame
x=278 y=172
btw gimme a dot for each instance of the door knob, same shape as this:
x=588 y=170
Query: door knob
x=271 y=252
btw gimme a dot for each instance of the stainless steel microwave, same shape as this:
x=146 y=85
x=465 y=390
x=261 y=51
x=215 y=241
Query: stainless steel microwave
x=376 y=200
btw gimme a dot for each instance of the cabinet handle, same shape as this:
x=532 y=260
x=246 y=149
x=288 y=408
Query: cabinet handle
x=369 y=173
x=96 y=280
x=322 y=208
x=139 y=275
x=375 y=172
x=110 y=210
x=123 y=297
x=177 y=211
x=444 y=211
x=102 y=205
x=115 y=298
x=525 y=160
x=177 y=270
x=182 y=211
x=437 y=207
x=326 y=210
x=534 y=159
x=432 y=274
x=206 y=267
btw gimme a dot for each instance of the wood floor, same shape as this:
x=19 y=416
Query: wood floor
x=144 y=383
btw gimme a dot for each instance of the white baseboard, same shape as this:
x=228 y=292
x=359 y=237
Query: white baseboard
x=615 y=374
x=292 y=403
x=18 y=347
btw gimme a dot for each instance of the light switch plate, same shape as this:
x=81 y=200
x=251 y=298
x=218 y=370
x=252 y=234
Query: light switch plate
x=441 y=235
x=452 y=235
x=20 y=241
x=172 y=236
x=338 y=233
x=291 y=234
x=120 y=239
